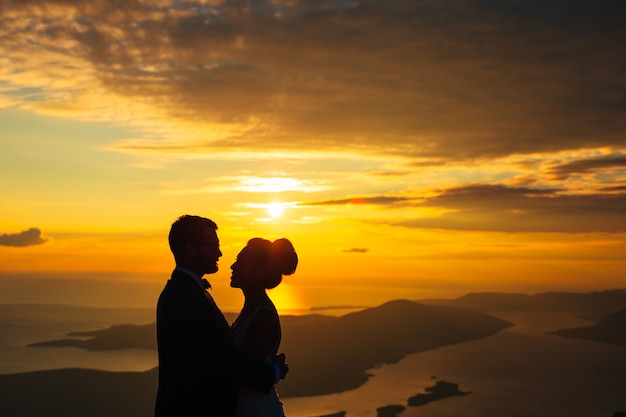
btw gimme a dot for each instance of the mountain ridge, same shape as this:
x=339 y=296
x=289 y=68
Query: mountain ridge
x=610 y=329
x=591 y=306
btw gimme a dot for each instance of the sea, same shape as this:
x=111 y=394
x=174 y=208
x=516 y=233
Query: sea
x=520 y=372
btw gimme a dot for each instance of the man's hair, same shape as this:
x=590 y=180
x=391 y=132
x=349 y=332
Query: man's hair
x=188 y=229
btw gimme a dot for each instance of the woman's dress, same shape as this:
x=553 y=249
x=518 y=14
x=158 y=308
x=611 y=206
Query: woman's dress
x=253 y=403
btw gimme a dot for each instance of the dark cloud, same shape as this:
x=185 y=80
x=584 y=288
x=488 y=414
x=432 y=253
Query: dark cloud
x=504 y=209
x=375 y=200
x=356 y=250
x=616 y=188
x=28 y=237
x=564 y=171
x=446 y=80
x=500 y=208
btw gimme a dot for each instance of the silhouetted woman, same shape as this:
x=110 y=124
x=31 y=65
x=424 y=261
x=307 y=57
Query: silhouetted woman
x=260 y=266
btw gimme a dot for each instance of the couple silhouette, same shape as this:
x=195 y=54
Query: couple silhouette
x=206 y=366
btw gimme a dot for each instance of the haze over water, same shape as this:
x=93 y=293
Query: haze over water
x=24 y=324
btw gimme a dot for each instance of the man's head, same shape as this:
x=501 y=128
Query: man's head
x=195 y=245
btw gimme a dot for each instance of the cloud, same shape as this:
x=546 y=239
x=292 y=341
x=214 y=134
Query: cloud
x=28 y=237
x=566 y=170
x=375 y=200
x=500 y=208
x=356 y=250
x=616 y=188
x=448 y=80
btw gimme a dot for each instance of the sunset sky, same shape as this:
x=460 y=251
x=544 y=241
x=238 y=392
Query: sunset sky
x=409 y=149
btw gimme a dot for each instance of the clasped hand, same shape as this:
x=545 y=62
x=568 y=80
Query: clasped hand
x=279 y=361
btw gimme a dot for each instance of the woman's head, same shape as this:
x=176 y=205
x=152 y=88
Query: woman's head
x=263 y=263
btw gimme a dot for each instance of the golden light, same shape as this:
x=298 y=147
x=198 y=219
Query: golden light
x=270 y=184
x=287 y=298
x=276 y=209
x=278 y=184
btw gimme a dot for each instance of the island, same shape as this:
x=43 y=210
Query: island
x=441 y=389
x=390 y=410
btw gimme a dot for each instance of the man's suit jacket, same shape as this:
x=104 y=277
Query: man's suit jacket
x=199 y=367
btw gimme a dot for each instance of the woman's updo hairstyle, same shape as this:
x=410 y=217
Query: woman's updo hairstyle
x=278 y=256
x=283 y=256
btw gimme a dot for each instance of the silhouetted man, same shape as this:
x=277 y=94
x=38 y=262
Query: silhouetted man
x=198 y=363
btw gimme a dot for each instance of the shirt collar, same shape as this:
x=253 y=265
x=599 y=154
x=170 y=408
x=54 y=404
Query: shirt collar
x=192 y=274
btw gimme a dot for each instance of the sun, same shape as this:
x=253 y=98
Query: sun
x=276 y=209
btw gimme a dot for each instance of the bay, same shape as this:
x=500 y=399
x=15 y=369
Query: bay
x=520 y=372
x=22 y=324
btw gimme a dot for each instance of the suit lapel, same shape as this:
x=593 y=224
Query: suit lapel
x=220 y=319
x=209 y=303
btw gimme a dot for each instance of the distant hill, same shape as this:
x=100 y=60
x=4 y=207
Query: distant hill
x=347 y=346
x=116 y=337
x=592 y=306
x=610 y=329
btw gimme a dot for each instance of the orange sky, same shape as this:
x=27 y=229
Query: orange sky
x=407 y=148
